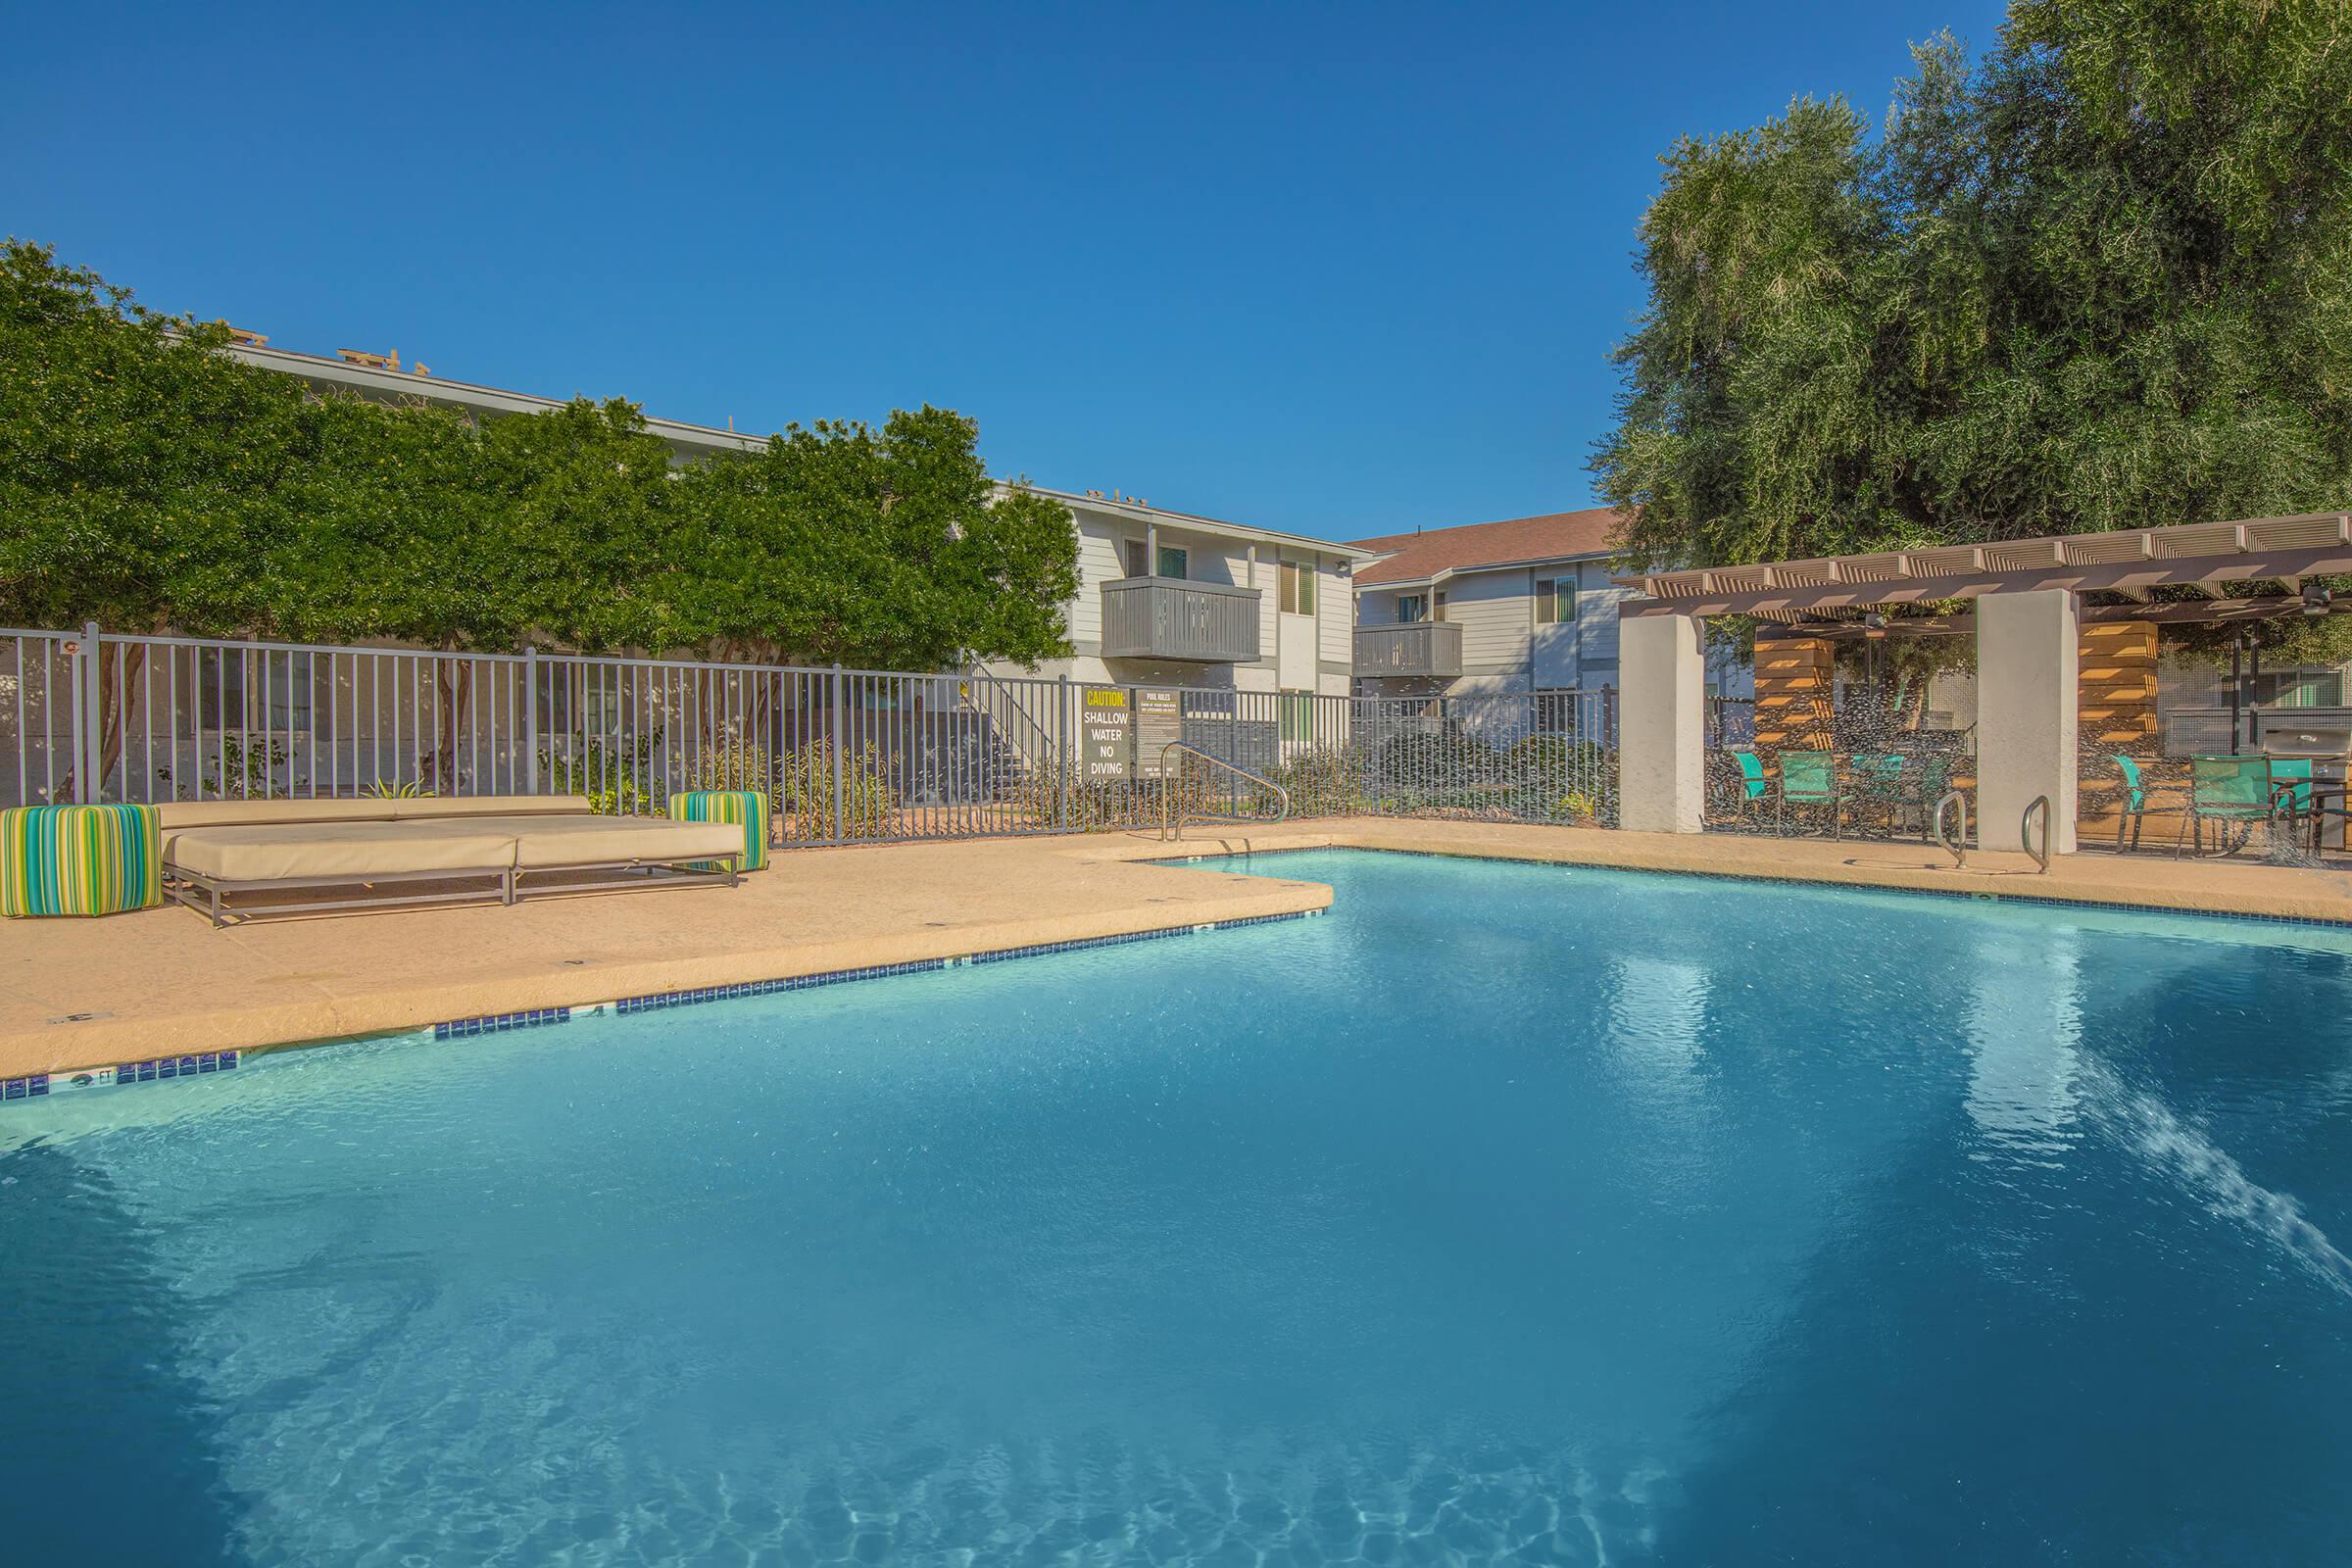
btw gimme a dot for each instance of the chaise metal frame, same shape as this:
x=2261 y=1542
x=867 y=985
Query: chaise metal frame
x=508 y=885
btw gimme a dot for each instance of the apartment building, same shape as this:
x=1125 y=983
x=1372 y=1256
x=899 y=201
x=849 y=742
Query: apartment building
x=1520 y=605
x=1168 y=598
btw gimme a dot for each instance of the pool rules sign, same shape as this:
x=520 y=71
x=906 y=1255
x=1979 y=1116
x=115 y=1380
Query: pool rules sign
x=1159 y=719
x=1106 y=730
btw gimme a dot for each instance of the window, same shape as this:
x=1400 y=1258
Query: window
x=1556 y=600
x=1411 y=609
x=1174 y=561
x=2299 y=688
x=1297 y=715
x=1298 y=589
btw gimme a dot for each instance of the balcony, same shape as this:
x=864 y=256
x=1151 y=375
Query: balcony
x=1165 y=617
x=1431 y=648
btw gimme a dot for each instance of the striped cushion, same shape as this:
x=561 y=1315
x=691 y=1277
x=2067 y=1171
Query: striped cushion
x=748 y=807
x=79 y=859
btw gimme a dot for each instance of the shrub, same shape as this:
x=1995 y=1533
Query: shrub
x=805 y=789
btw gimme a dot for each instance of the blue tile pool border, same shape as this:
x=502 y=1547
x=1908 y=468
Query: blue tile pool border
x=38 y=1085
x=1957 y=895
x=35 y=1086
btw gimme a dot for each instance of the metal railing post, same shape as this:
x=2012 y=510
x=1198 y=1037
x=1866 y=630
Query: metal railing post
x=530 y=711
x=1233 y=750
x=1064 y=756
x=835 y=748
x=91 y=704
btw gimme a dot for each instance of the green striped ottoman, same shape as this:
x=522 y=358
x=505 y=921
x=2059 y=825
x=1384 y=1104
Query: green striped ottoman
x=748 y=807
x=79 y=859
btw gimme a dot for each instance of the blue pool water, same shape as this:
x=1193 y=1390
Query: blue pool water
x=1505 y=1214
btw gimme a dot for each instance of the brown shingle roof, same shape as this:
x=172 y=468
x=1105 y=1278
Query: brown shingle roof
x=1553 y=536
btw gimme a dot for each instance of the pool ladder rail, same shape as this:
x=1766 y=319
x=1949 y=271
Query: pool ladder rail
x=1956 y=844
x=2024 y=832
x=1172 y=819
x=1956 y=847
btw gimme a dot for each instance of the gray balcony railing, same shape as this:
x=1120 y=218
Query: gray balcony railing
x=1165 y=617
x=1423 y=648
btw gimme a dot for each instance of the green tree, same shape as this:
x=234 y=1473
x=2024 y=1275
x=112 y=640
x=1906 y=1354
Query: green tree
x=142 y=474
x=2100 y=278
x=152 y=482
x=884 y=547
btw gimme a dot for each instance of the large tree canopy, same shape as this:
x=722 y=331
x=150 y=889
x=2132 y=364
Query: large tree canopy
x=148 y=481
x=2100 y=278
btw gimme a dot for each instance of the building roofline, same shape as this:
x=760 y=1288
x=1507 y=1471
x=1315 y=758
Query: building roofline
x=1445 y=573
x=1200 y=524
x=319 y=369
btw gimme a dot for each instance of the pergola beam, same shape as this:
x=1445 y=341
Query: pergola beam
x=2110 y=578
x=2204 y=611
x=2126 y=561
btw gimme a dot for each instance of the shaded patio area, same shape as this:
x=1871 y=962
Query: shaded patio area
x=2060 y=638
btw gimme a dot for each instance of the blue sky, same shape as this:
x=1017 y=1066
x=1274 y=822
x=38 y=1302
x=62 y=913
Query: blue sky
x=1348 y=270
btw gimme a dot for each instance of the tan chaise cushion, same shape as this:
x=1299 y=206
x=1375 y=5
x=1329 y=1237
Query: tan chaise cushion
x=546 y=842
x=171 y=814
x=428 y=806
x=346 y=851
x=174 y=817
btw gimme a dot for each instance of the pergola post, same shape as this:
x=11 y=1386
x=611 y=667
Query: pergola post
x=2028 y=658
x=1661 y=726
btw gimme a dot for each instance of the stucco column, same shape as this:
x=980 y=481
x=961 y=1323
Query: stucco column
x=2028 y=658
x=1661 y=726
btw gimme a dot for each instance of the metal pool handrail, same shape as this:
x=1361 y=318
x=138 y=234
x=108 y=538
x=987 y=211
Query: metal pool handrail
x=2024 y=832
x=1957 y=846
x=1172 y=820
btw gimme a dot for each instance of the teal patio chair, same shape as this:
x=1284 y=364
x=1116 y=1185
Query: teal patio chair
x=1810 y=779
x=2131 y=803
x=2291 y=783
x=2234 y=793
x=1746 y=793
x=2291 y=793
x=1879 y=780
x=1928 y=780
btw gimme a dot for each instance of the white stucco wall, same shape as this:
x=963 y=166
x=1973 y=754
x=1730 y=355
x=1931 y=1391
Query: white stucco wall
x=2028 y=656
x=1661 y=744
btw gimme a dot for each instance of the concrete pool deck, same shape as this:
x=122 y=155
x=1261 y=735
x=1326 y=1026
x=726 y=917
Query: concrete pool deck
x=78 y=994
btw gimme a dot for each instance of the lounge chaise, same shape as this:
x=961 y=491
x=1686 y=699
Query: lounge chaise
x=245 y=858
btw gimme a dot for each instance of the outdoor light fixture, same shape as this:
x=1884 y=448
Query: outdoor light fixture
x=2317 y=597
x=1874 y=624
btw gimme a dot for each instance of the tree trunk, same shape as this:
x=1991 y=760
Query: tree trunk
x=453 y=693
x=112 y=704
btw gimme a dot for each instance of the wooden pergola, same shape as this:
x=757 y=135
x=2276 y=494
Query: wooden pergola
x=2129 y=565
x=2029 y=600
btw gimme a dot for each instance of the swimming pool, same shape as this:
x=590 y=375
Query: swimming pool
x=1568 y=1215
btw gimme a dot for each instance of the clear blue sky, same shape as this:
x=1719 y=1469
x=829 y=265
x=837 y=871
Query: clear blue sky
x=1346 y=270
